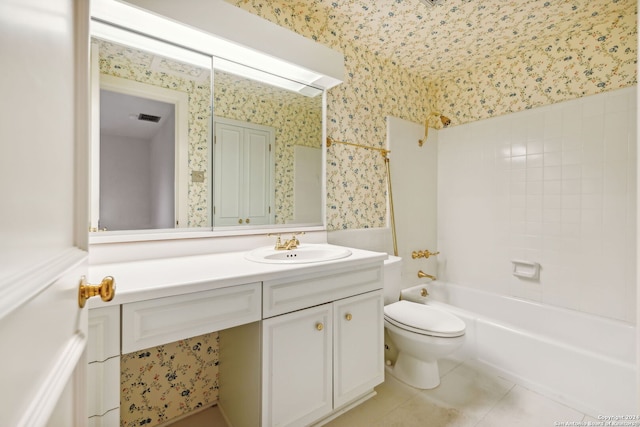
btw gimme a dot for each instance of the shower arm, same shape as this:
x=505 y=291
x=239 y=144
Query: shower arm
x=443 y=122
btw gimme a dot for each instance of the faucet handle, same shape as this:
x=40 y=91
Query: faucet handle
x=423 y=254
x=294 y=238
x=428 y=253
x=278 y=240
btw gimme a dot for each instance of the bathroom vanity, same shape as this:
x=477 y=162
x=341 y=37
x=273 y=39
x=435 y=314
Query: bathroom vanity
x=300 y=338
x=299 y=342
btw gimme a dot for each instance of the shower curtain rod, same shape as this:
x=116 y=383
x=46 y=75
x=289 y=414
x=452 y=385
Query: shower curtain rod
x=383 y=151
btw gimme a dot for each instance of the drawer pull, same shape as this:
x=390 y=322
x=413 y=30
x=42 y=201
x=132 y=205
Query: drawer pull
x=348 y=317
x=319 y=326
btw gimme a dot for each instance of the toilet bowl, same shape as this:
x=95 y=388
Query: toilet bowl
x=420 y=333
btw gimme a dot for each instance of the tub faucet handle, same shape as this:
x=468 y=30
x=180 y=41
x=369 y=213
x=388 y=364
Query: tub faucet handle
x=423 y=254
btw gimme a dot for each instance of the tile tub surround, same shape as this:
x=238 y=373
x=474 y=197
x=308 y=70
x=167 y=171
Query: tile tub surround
x=554 y=185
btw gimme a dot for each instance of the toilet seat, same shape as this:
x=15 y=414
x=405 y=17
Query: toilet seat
x=423 y=319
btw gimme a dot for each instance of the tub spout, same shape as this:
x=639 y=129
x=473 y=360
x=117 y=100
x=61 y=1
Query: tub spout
x=422 y=275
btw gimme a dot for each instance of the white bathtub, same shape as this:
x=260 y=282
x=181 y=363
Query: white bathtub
x=585 y=361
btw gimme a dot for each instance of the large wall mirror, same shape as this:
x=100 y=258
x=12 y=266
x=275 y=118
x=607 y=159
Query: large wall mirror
x=185 y=141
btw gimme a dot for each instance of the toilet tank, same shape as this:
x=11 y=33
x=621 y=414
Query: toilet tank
x=392 y=272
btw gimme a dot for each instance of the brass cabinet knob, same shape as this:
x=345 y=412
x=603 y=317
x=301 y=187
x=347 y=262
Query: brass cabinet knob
x=240 y=221
x=106 y=289
x=247 y=220
x=319 y=326
x=348 y=316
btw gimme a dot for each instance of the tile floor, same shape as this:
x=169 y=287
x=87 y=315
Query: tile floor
x=467 y=397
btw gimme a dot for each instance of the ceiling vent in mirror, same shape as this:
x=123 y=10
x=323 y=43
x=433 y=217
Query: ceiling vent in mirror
x=431 y=3
x=148 y=118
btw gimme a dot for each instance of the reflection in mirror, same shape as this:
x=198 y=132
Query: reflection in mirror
x=154 y=137
x=268 y=152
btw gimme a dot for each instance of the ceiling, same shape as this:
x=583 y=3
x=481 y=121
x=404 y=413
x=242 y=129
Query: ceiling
x=454 y=35
x=119 y=115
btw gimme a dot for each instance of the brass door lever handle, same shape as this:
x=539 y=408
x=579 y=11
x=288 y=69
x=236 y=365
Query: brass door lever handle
x=106 y=289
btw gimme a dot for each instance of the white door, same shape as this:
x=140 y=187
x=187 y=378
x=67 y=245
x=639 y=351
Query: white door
x=258 y=176
x=228 y=169
x=244 y=170
x=43 y=220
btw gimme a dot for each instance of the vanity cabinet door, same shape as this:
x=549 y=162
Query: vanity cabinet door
x=358 y=346
x=297 y=367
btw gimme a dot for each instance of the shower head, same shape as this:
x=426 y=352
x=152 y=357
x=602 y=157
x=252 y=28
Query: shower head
x=436 y=121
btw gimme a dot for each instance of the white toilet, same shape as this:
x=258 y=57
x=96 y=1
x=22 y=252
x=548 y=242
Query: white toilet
x=420 y=333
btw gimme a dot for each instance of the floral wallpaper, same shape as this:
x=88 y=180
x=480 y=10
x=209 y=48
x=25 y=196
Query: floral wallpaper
x=124 y=62
x=161 y=383
x=589 y=56
x=297 y=120
x=469 y=60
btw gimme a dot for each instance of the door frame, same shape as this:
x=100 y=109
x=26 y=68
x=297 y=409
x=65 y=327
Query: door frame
x=131 y=87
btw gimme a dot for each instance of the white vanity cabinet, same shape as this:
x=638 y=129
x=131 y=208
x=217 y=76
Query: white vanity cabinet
x=319 y=359
x=297 y=345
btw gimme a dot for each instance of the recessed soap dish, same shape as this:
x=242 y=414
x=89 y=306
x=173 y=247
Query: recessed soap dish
x=526 y=269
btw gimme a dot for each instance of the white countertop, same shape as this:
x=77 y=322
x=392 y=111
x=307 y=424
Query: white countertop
x=157 y=278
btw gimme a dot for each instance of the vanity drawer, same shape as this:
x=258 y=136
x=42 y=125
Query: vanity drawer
x=160 y=321
x=284 y=296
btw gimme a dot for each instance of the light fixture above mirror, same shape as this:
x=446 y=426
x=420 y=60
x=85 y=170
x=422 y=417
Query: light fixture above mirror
x=218 y=29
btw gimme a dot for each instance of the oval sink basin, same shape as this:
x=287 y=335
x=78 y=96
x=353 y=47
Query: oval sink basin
x=306 y=253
